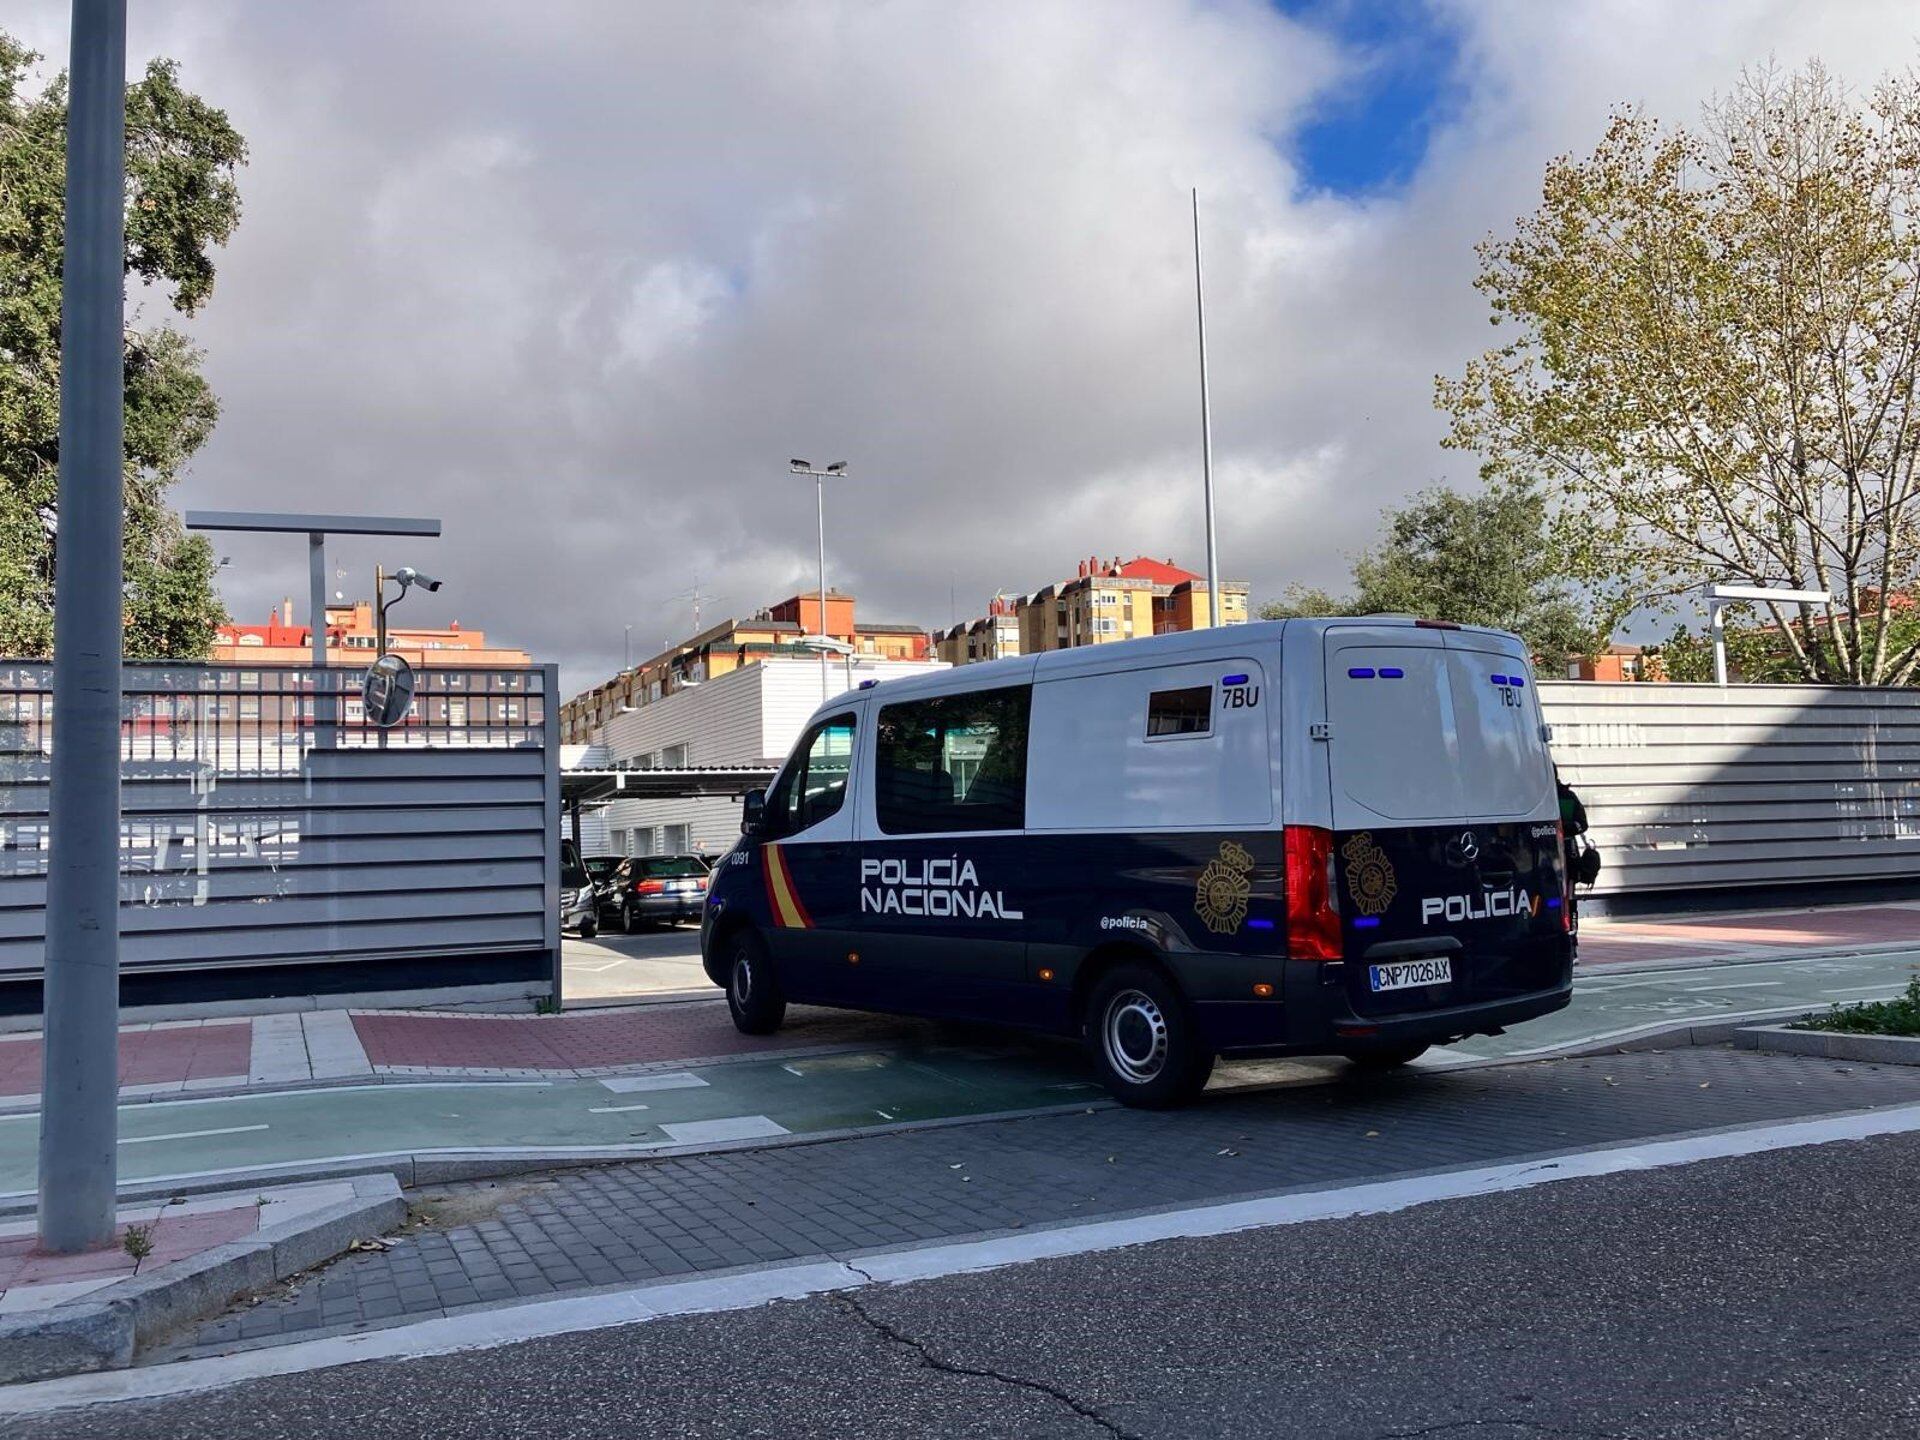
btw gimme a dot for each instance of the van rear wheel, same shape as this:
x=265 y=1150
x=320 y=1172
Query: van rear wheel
x=1144 y=1041
x=753 y=991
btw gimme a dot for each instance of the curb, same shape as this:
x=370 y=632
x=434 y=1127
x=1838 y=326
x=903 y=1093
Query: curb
x=105 y=1329
x=1831 y=1044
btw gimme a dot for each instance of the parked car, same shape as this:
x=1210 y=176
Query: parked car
x=579 y=898
x=604 y=870
x=658 y=890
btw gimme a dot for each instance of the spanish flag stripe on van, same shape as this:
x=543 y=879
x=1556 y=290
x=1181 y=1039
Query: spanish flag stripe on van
x=788 y=912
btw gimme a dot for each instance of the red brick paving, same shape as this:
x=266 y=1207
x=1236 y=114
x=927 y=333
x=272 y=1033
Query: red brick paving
x=147 y=1057
x=1618 y=941
x=587 y=1041
x=174 y=1237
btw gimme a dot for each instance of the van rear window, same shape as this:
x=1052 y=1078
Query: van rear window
x=1180 y=712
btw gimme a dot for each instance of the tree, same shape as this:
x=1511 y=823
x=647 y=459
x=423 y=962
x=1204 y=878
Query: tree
x=182 y=200
x=1712 y=363
x=1483 y=559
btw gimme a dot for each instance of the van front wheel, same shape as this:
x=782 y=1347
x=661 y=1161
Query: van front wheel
x=753 y=991
x=1142 y=1037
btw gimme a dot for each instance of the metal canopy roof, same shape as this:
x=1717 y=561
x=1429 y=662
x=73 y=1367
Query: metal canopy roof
x=602 y=785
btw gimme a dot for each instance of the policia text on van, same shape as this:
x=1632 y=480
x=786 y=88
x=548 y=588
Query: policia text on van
x=1301 y=837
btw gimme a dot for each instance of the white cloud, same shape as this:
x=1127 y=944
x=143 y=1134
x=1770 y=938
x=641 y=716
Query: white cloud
x=580 y=277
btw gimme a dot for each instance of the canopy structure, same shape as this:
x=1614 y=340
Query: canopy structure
x=603 y=784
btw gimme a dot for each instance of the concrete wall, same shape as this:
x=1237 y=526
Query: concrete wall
x=1698 y=788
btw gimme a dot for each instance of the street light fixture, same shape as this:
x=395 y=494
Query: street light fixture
x=837 y=469
x=1720 y=596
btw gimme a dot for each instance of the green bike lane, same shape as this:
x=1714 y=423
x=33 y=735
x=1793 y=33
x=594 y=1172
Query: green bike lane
x=341 y=1128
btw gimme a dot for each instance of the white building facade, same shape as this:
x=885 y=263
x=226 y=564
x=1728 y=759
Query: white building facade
x=749 y=716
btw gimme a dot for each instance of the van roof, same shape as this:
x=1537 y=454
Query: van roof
x=1177 y=645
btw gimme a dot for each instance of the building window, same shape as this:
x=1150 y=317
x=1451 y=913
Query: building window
x=1180 y=712
x=955 y=762
x=674 y=757
x=675 y=840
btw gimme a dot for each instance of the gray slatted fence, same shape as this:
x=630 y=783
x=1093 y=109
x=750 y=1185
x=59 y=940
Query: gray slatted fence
x=264 y=826
x=1694 y=787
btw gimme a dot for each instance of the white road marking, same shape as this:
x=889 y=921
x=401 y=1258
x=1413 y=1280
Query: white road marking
x=733 y=1127
x=634 y=1084
x=883 y=1115
x=792 y=1071
x=485 y=1329
x=613 y=1109
x=1743 y=985
x=1886 y=987
x=189 y=1134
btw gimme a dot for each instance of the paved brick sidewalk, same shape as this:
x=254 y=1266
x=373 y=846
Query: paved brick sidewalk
x=1775 y=935
x=618 y=1224
x=589 y=1042
x=163 y=1055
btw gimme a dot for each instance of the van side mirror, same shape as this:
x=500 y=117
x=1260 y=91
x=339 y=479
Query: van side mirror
x=753 y=812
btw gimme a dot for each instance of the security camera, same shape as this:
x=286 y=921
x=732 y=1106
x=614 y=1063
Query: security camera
x=408 y=576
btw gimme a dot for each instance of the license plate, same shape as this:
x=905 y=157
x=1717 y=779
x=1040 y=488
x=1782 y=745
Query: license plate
x=1406 y=974
x=680 y=887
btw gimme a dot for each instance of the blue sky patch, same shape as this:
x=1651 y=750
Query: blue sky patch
x=1371 y=133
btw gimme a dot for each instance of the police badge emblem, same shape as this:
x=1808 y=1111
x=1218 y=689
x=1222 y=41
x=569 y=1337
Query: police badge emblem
x=1369 y=874
x=1220 y=899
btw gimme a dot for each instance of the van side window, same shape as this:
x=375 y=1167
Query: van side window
x=815 y=785
x=1180 y=712
x=954 y=762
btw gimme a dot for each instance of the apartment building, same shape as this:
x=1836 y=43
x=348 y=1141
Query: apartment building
x=775 y=632
x=1106 y=600
x=353 y=639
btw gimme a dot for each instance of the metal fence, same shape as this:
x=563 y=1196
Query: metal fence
x=264 y=822
x=1695 y=787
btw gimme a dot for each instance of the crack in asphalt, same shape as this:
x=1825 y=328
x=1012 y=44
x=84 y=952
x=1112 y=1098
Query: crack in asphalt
x=849 y=1301
x=1513 y=1421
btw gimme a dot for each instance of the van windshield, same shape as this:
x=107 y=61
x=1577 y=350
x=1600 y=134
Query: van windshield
x=1425 y=732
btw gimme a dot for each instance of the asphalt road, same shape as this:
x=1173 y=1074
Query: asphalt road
x=1769 y=1295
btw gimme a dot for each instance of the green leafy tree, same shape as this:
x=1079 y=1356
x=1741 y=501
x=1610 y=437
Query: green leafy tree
x=1713 y=344
x=1483 y=559
x=182 y=201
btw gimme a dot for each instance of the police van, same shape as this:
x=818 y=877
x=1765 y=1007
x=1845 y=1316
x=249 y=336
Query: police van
x=1300 y=837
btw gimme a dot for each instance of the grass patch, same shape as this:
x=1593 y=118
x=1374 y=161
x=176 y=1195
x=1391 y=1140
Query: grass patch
x=1899 y=1016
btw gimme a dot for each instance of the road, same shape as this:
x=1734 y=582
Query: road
x=613 y=968
x=958 y=1072
x=1769 y=1294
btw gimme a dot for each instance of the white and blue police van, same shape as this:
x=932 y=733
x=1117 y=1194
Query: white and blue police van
x=1299 y=837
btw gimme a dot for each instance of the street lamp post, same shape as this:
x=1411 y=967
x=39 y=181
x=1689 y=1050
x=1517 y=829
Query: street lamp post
x=80 y=1079
x=1206 y=428
x=836 y=469
x=1720 y=596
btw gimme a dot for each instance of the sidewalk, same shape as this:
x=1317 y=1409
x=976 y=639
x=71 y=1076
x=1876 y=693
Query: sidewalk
x=172 y=1059
x=1749 y=935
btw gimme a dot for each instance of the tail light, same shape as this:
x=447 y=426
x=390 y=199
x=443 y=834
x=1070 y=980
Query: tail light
x=1313 y=911
x=649 y=887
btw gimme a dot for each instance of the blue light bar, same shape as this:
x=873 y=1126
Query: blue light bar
x=1392 y=674
x=1260 y=924
x=1500 y=680
x=1519 y=683
x=1359 y=673
x=1553 y=902
x=1233 y=679
x=1366 y=922
x=868 y=684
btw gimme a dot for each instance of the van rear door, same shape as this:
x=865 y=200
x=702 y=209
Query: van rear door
x=1445 y=841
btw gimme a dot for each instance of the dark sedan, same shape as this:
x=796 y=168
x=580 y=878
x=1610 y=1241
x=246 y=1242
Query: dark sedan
x=656 y=890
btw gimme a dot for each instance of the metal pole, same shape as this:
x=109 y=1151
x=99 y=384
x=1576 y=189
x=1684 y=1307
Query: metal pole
x=1718 y=621
x=1206 y=428
x=820 y=505
x=80 y=1076
x=317 y=604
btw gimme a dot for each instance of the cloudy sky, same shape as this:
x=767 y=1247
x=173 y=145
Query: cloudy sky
x=580 y=276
